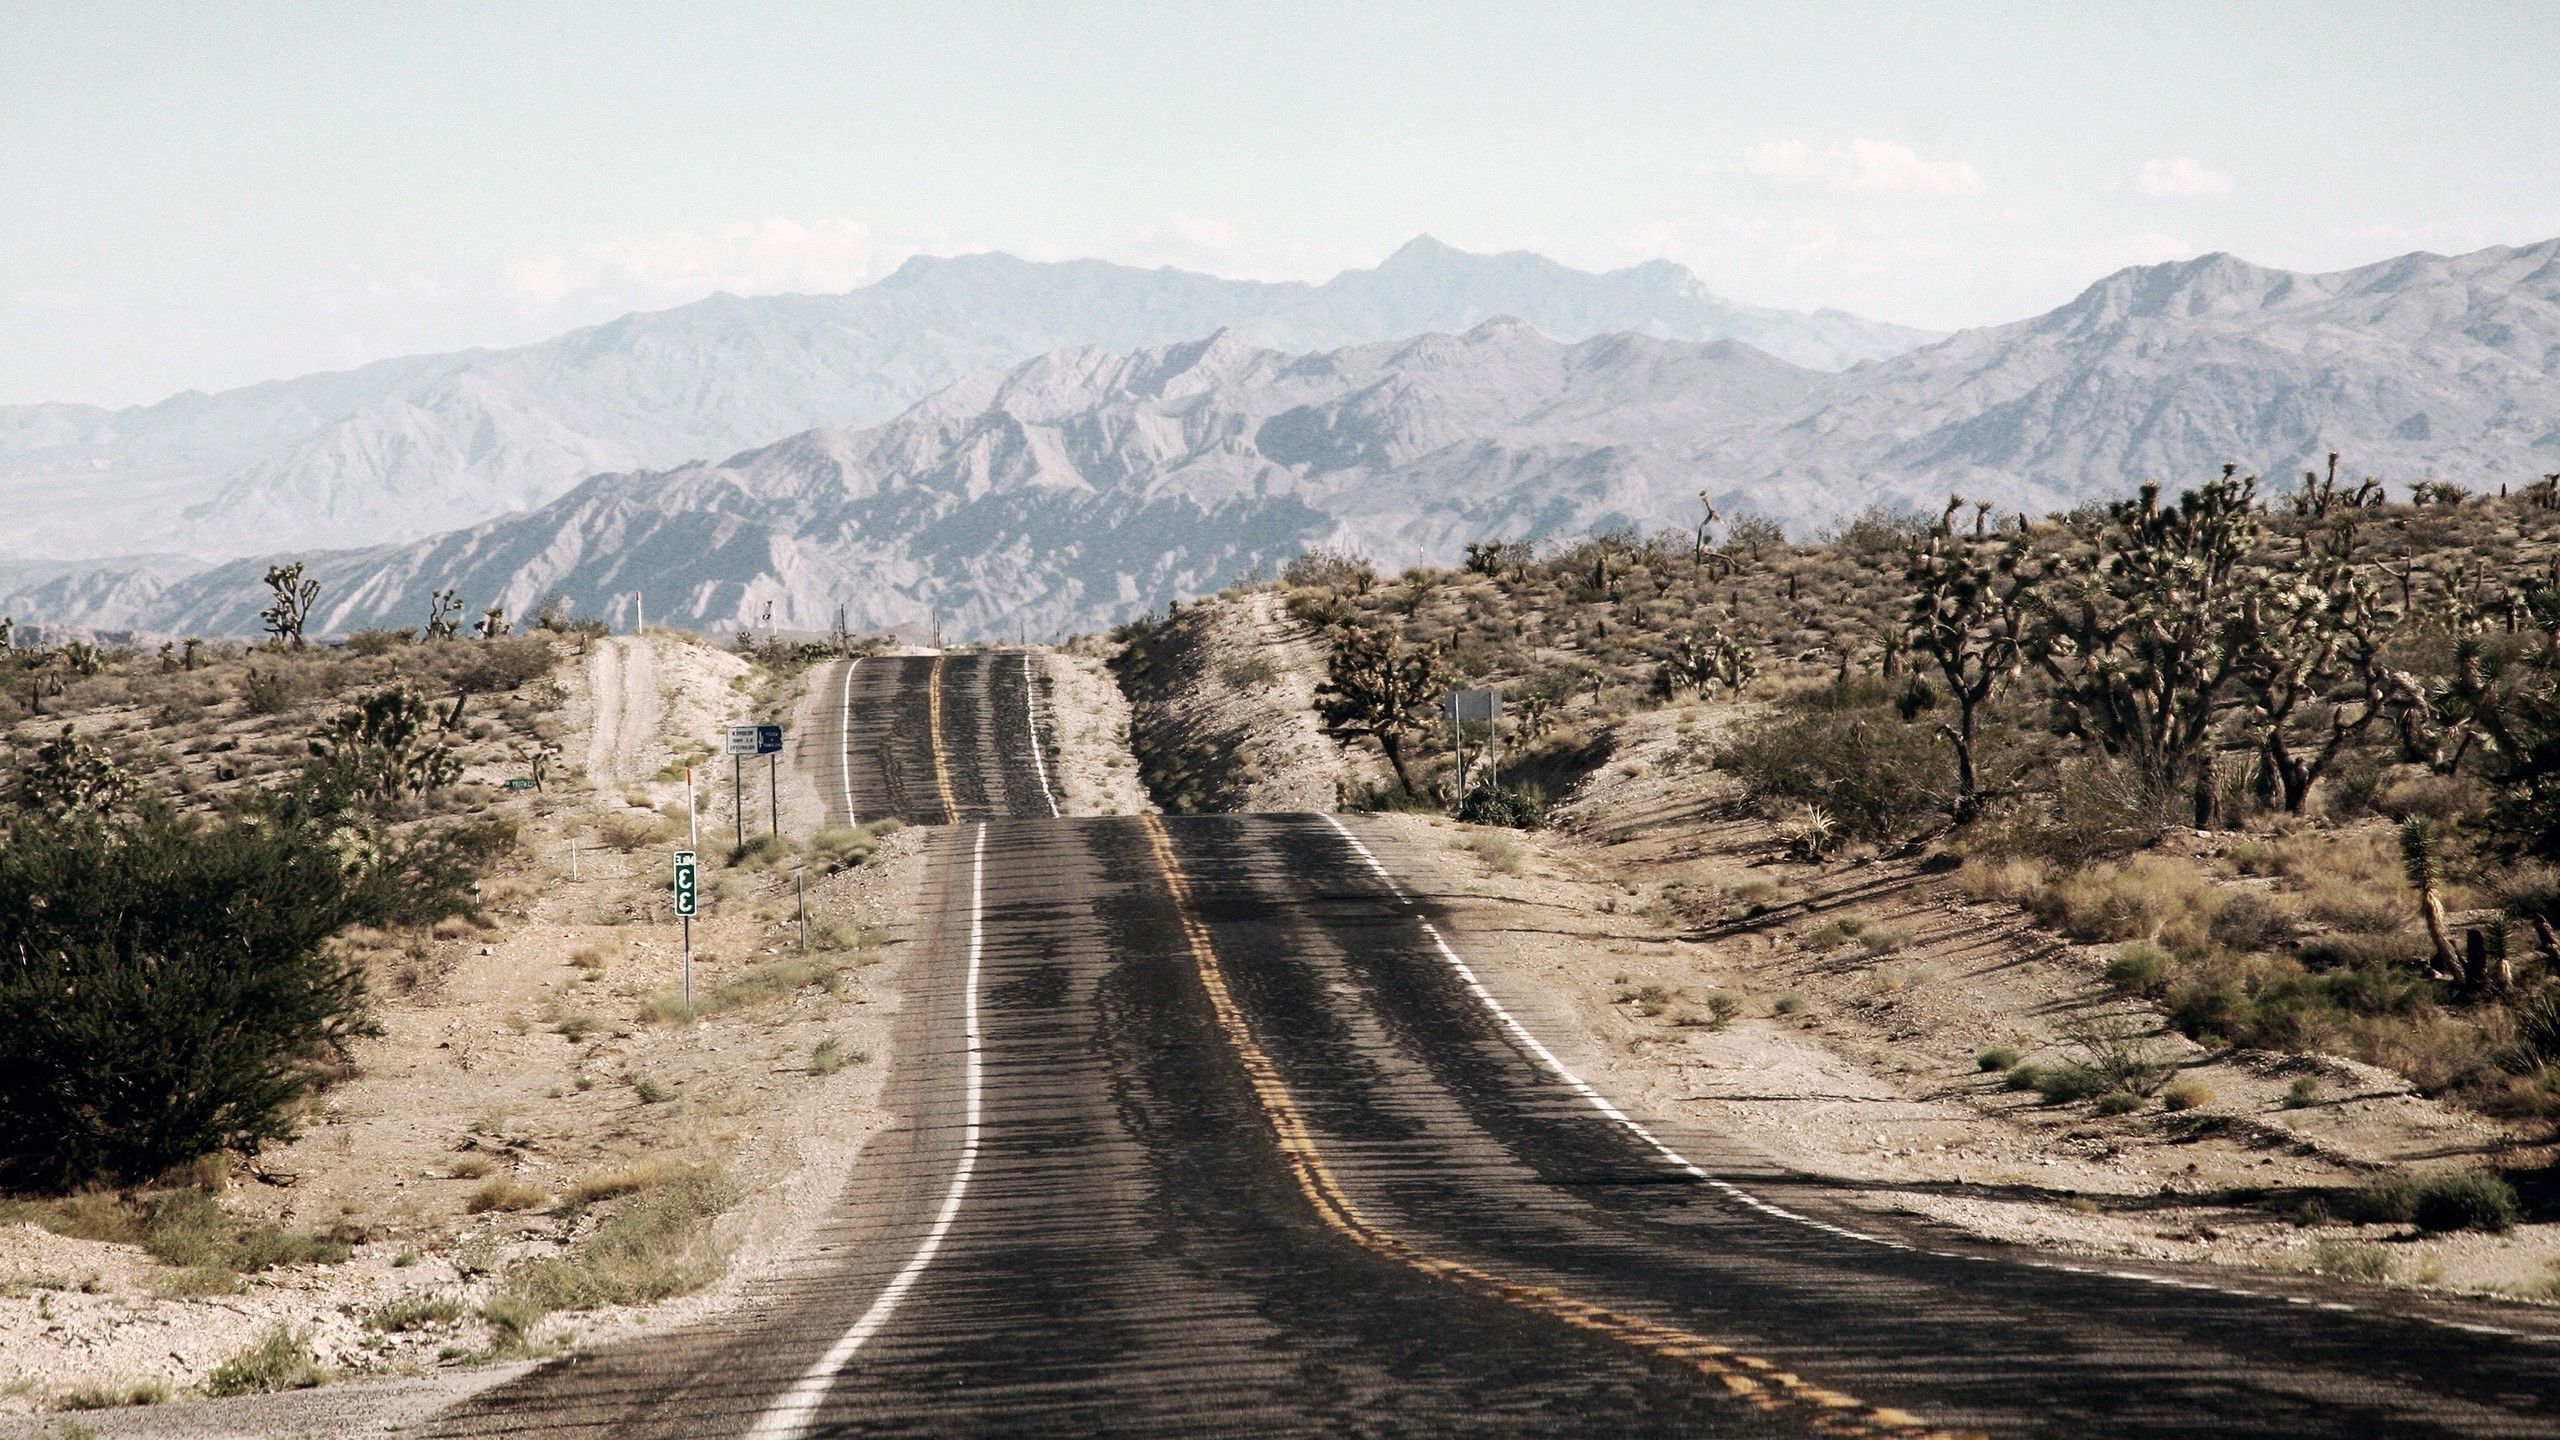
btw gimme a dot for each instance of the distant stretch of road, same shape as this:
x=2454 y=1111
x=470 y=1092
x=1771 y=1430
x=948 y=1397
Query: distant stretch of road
x=929 y=740
x=1209 y=1127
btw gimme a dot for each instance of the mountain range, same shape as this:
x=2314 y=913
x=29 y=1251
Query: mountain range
x=1088 y=484
x=408 y=447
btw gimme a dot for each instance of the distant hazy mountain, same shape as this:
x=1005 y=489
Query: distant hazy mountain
x=1082 y=487
x=412 y=446
x=2416 y=367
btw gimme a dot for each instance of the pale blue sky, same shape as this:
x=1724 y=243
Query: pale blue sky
x=204 y=195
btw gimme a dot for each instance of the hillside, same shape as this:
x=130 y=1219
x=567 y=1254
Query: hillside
x=408 y=447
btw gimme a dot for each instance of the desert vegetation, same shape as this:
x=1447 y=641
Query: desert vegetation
x=2292 y=755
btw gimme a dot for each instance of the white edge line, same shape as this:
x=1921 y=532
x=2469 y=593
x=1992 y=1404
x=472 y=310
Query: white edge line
x=1598 y=1102
x=788 y=1417
x=1031 y=714
x=844 y=732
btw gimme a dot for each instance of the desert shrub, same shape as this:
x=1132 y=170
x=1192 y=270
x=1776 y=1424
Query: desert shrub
x=2384 y=1200
x=377 y=642
x=655 y=1244
x=2140 y=968
x=2118 y=1102
x=831 y=1054
x=505 y=1192
x=271 y=691
x=1876 y=778
x=1507 y=806
x=1997 y=1057
x=506 y=663
x=2303 y=1092
x=2246 y=922
x=2186 y=1095
x=169 y=990
x=2145 y=897
x=2466 y=1200
x=2115 y=1058
x=2352 y=1261
x=280 y=1360
x=2103 y=806
x=414 y=1312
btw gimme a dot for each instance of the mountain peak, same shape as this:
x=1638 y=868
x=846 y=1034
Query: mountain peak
x=1423 y=251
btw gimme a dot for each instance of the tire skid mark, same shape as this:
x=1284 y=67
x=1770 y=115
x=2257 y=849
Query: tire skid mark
x=1750 y=1379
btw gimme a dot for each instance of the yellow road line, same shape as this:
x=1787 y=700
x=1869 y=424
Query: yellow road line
x=941 y=768
x=1747 y=1378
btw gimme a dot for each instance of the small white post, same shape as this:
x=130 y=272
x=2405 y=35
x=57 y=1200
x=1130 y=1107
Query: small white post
x=692 y=820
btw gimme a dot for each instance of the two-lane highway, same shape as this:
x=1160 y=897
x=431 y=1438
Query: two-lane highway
x=1209 y=1127
x=929 y=739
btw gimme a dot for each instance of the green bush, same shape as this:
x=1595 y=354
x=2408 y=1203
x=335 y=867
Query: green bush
x=281 y=1360
x=2466 y=1200
x=1875 y=777
x=168 y=991
x=1506 y=806
x=1998 y=1057
x=2139 y=969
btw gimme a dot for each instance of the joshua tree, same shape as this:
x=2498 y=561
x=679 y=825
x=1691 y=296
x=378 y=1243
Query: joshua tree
x=1968 y=617
x=71 y=776
x=2137 y=637
x=2310 y=674
x=493 y=623
x=292 y=604
x=1378 y=688
x=386 y=745
x=442 y=609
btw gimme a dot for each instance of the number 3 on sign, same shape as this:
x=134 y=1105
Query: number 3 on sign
x=684 y=884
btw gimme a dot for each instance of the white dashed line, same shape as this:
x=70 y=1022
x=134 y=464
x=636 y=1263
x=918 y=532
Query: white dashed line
x=789 y=1416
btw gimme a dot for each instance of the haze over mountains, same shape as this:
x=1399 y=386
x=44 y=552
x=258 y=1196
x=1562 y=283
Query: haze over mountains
x=1086 y=485
x=408 y=447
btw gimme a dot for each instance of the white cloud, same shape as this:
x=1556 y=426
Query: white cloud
x=759 y=257
x=2182 y=177
x=1863 y=167
x=1204 y=232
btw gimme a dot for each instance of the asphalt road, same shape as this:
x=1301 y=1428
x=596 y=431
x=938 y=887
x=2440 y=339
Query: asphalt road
x=1207 y=1129
x=930 y=740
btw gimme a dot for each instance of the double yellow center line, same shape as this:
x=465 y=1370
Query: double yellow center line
x=933 y=728
x=1747 y=1378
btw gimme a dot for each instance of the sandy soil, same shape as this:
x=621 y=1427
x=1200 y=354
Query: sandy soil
x=1862 y=1067
x=1223 y=711
x=1089 y=735
x=523 y=1051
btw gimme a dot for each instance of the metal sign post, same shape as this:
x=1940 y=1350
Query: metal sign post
x=769 y=745
x=1461 y=706
x=684 y=907
x=742 y=743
